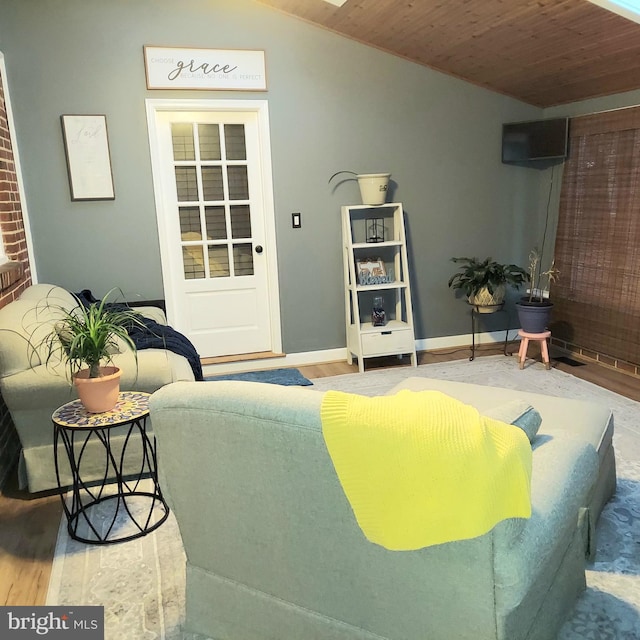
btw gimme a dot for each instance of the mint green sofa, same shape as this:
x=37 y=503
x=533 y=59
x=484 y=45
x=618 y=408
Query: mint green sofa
x=274 y=551
x=33 y=389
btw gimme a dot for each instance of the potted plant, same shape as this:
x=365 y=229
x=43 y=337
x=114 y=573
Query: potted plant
x=373 y=186
x=485 y=282
x=84 y=338
x=534 y=309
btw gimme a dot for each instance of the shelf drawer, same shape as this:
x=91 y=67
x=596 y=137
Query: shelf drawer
x=387 y=342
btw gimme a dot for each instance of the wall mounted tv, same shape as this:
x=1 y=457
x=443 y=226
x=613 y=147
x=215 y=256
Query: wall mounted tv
x=536 y=143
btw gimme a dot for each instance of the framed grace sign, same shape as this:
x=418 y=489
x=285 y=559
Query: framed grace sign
x=209 y=69
x=88 y=161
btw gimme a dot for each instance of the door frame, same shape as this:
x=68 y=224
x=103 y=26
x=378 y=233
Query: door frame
x=155 y=106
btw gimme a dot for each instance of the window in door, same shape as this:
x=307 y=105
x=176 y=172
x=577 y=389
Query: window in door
x=211 y=173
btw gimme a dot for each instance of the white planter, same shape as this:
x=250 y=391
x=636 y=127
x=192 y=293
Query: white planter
x=373 y=187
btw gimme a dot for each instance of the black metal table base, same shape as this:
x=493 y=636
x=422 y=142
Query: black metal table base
x=120 y=507
x=83 y=514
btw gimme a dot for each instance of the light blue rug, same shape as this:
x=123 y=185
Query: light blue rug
x=286 y=377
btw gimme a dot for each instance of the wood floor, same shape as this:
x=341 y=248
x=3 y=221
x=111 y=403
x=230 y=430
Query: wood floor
x=29 y=525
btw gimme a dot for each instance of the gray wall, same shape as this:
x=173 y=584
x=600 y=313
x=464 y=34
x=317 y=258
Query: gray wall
x=334 y=104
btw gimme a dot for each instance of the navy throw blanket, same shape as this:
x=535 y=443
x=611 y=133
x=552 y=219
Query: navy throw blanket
x=153 y=335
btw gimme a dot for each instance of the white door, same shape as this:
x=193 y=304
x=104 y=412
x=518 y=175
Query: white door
x=212 y=181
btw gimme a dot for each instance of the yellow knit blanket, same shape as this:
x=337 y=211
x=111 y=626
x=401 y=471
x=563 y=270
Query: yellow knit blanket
x=421 y=468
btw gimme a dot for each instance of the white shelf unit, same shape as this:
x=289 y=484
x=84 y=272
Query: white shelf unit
x=397 y=335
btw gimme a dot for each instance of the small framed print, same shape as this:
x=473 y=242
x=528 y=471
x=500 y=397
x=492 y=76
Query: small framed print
x=372 y=271
x=88 y=160
x=371 y=267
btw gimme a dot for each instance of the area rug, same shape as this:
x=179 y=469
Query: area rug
x=286 y=377
x=141 y=583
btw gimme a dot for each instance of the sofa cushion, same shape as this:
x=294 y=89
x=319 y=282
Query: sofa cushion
x=519 y=413
x=588 y=421
x=154 y=313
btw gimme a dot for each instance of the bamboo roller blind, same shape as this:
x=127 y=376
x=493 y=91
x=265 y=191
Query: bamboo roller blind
x=597 y=296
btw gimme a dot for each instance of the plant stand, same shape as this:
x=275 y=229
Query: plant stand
x=482 y=311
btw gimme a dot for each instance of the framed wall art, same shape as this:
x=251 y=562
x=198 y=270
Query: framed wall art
x=208 y=69
x=86 y=147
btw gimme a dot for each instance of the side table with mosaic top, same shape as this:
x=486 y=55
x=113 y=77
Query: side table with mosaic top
x=117 y=510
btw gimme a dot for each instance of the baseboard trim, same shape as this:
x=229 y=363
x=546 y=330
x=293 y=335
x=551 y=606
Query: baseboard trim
x=302 y=358
x=464 y=340
x=242 y=357
x=287 y=360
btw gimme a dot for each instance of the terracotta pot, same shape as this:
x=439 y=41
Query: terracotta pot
x=98 y=394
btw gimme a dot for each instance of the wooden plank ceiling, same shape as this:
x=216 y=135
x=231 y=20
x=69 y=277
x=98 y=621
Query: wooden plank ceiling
x=543 y=52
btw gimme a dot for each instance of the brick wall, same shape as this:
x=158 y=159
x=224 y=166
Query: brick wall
x=14 y=277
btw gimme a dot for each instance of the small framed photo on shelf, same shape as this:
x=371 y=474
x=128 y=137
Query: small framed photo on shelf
x=372 y=266
x=372 y=271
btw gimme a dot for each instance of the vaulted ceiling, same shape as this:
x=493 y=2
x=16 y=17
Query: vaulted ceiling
x=543 y=52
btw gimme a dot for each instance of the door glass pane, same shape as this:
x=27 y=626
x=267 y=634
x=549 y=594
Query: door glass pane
x=238 y=183
x=212 y=187
x=234 y=141
x=216 y=224
x=182 y=139
x=213 y=213
x=209 y=142
x=219 y=262
x=240 y=221
x=193 y=261
x=243 y=259
x=186 y=184
x=190 y=223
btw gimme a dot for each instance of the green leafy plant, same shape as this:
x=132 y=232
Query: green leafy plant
x=87 y=336
x=337 y=173
x=474 y=275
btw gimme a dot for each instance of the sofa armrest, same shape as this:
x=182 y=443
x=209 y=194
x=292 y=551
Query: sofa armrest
x=564 y=469
x=153 y=313
x=41 y=385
